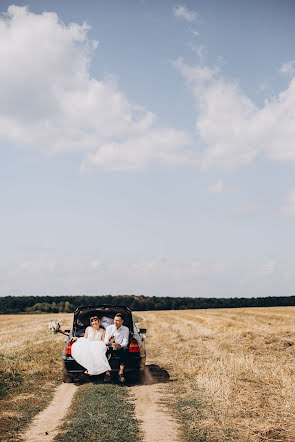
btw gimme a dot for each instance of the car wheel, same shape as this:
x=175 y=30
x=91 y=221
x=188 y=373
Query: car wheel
x=66 y=377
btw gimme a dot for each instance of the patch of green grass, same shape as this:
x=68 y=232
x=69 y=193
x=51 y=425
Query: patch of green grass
x=22 y=404
x=100 y=413
x=188 y=412
x=10 y=378
x=13 y=426
x=9 y=381
x=27 y=385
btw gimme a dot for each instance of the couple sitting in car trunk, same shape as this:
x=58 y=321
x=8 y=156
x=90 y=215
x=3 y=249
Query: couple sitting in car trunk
x=90 y=350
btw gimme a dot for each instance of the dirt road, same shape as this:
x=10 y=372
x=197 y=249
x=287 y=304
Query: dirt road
x=156 y=423
x=44 y=425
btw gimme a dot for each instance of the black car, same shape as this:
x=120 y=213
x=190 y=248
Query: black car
x=136 y=356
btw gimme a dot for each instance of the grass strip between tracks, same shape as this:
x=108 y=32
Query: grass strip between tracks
x=100 y=412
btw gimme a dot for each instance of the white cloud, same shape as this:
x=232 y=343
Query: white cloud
x=288 y=67
x=248 y=209
x=163 y=276
x=49 y=101
x=182 y=11
x=96 y=265
x=196 y=33
x=232 y=128
x=156 y=145
x=201 y=51
x=222 y=268
x=163 y=269
x=195 y=76
x=196 y=268
x=269 y=268
x=27 y=265
x=288 y=207
x=37 y=266
x=216 y=188
x=157 y=268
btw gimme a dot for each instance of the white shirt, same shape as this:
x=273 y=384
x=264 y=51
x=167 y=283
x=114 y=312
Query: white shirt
x=120 y=334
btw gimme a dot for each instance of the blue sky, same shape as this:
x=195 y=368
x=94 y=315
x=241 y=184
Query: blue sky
x=147 y=148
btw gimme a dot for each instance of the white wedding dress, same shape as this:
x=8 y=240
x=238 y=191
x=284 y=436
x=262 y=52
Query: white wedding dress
x=91 y=352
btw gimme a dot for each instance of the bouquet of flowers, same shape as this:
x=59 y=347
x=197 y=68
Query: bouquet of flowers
x=54 y=326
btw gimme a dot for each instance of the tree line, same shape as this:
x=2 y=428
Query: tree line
x=68 y=304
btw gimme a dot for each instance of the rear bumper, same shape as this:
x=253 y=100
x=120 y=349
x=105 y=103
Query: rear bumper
x=133 y=363
x=72 y=366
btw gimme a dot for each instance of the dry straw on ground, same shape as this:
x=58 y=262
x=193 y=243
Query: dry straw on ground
x=30 y=368
x=234 y=370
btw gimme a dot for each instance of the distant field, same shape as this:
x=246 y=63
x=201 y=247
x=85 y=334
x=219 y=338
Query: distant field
x=233 y=370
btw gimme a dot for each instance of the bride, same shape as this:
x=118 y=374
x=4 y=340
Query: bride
x=90 y=351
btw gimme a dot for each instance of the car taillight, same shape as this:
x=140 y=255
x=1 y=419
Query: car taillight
x=69 y=348
x=134 y=347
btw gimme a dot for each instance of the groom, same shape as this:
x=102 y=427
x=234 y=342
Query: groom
x=119 y=335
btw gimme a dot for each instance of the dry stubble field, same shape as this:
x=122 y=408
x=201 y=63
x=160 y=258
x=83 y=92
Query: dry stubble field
x=30 y=368
x=232 y=370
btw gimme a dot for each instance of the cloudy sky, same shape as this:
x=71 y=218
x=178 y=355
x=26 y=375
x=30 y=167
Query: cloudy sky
x=147 y=147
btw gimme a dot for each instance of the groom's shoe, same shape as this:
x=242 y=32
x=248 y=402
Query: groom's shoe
x=107 y=378
x=121 y=378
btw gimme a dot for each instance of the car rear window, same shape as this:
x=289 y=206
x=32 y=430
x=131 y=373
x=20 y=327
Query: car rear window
x=105 y=314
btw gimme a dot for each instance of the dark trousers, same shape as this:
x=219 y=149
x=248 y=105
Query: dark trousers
x=122 y=353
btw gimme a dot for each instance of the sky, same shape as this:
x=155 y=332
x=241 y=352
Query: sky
x=147 y=147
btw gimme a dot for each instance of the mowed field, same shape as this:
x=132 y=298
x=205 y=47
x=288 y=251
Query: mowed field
x=232 y=371
x=30 y=368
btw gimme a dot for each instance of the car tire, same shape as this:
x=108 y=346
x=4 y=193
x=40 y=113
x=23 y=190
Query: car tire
x=66 y=377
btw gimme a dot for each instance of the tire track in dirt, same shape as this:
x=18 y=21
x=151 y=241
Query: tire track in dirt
x=157 y=424
x=45 y=425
